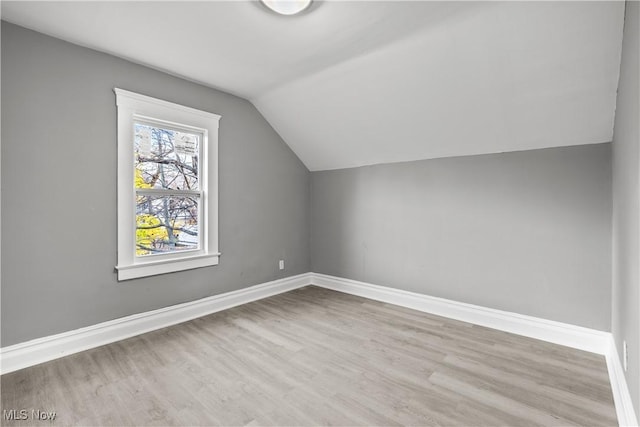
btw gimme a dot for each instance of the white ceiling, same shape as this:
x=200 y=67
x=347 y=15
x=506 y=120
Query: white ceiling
x=356 y=83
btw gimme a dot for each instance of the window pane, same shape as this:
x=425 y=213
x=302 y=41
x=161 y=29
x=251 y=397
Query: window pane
x=165 y=158
x=166 y=224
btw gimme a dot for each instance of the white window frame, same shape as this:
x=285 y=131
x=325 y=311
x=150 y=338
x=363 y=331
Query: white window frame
x=134 y=107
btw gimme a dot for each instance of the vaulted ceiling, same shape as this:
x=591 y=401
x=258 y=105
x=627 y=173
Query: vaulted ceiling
x=355 y=83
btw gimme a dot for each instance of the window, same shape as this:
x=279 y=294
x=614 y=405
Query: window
x=167 y=186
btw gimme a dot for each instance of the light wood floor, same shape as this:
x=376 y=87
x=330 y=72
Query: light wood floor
x=314 y=356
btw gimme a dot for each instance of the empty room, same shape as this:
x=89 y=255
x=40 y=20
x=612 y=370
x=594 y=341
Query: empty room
x=306 y=212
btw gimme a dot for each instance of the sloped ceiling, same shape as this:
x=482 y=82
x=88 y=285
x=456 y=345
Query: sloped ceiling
x=356 y=83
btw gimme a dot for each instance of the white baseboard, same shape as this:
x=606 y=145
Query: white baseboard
x=547 y=330
x=41 y=350
x=621 y=396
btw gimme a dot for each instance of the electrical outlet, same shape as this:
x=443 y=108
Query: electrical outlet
x=281 y=264
x=625 y=355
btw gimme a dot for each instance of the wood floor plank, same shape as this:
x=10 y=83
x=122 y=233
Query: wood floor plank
x=318 y=357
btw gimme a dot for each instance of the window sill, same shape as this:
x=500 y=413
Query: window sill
x=152 y=268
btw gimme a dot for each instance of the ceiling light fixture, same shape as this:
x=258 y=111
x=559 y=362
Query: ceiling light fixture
x=287 y=7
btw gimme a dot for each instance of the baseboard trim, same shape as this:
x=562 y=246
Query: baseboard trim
x=40 y=350
x=23 y=355
x=546 y=330
x=621 y=396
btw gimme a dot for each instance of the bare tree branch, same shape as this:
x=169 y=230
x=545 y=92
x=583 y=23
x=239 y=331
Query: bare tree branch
x=146 y=248
x=148 y=227
x=168 y=162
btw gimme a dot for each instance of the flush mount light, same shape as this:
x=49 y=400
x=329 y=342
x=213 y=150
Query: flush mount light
x=287 y=7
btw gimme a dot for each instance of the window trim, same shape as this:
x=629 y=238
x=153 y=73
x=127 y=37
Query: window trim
x=131 y=107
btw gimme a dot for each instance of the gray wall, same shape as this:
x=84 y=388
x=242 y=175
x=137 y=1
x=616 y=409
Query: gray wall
x=625 y=323
x=528 y=232
x=59 y=191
